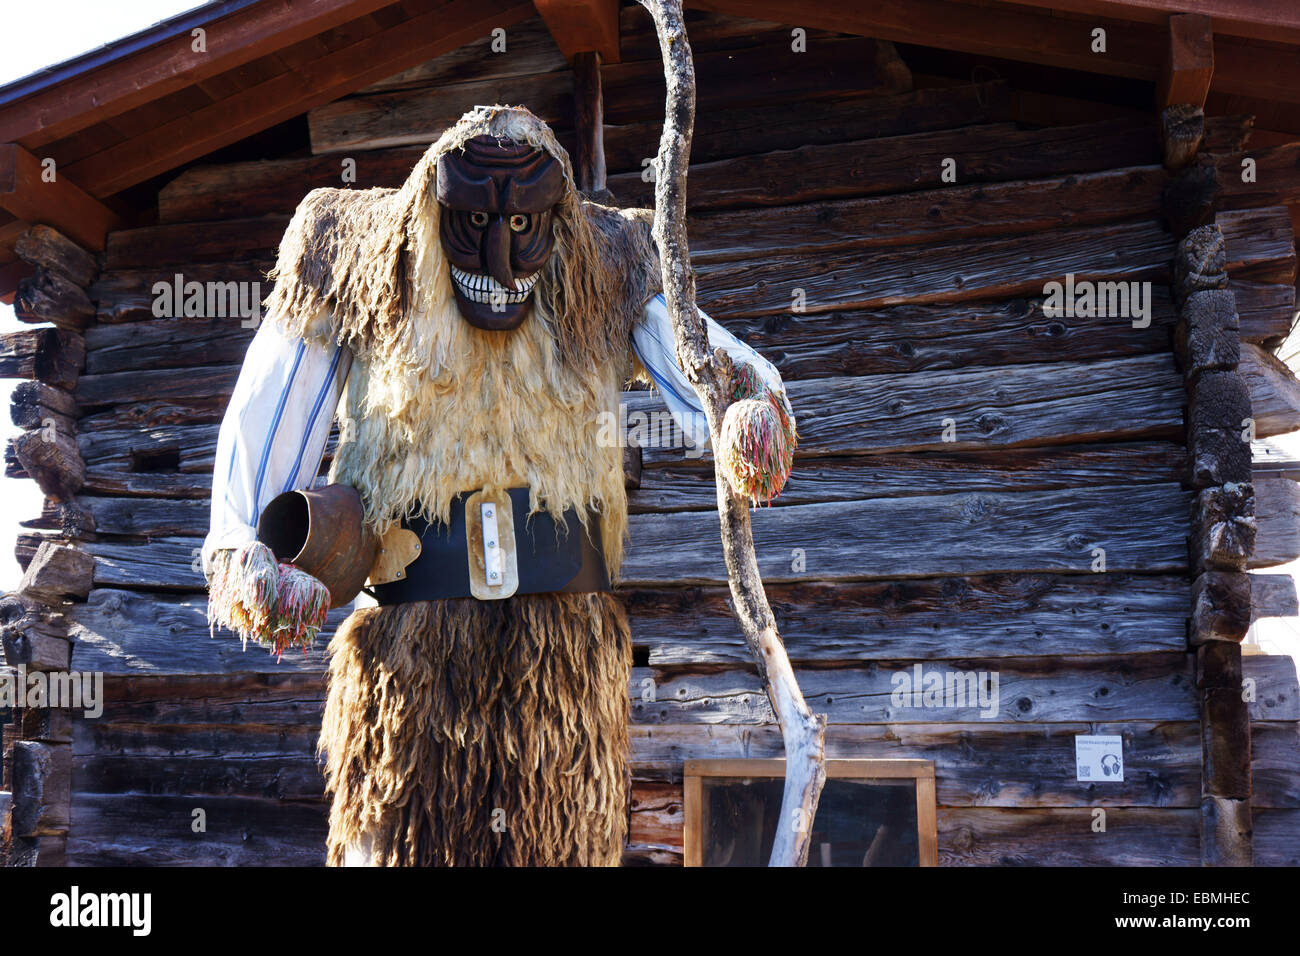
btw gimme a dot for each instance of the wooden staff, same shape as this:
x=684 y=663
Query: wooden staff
x=802 y=731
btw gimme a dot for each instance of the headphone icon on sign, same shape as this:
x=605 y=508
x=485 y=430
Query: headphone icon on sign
x=1110 y=765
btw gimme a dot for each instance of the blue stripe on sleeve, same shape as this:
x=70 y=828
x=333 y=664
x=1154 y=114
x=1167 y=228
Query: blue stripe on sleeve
x=325 y=389
x=275 y=423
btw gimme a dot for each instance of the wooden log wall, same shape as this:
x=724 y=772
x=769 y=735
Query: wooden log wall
x=981 y=485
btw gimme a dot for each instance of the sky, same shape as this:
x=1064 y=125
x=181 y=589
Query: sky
x=37 y=35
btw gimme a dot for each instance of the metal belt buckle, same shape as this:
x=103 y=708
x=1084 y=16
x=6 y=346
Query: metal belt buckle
x=490 y=543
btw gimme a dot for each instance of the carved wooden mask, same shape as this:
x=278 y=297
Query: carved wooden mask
x=498 y=200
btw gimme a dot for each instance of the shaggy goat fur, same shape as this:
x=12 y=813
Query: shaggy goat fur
x=442 y=713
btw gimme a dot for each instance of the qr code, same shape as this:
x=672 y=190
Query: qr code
x=1085 y=771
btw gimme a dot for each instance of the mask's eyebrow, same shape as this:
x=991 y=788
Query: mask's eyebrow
x=457 y=189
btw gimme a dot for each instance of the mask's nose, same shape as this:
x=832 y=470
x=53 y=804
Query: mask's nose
x=497 y=251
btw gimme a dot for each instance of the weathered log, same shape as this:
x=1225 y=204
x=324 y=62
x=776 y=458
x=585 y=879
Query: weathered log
x=181 y=245
x=165 y=343
x=589 y=126
x=1218 y=665
x=1271 y=178
x=259 y=188
x=1139 y=529
x=1182 y=128
x=1209 y=334
x=147 y=516
x=1189 y=201
x=145 y=830
x=1274 y=391
x=1201 y=262
x=994 y=153
x=49 y=296
x=71 y=520
x=1220 y=607
x=42 y=775
x=688 y=486
x=147 y=484
x=1265 y=309
x=1218 y=455
x=1226 y=832
x=1223 y=528
x=1273 y=595
x=127 y=295
x=1274 y=750
x=1277 y=516
x=48 y=248
x=1259 y=245
x=56 y=574
x=1133 y=837
x=121 y=632
x=1018 y=615
x=51 y=459
x=1220 y=400
x=1225 y=743
x=33 y=404
x=945 y=214
x=52 y=356
x=202 y=382
x=32 y=634
x=1030 y=691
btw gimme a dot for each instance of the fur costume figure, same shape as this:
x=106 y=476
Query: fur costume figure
x=476 y=326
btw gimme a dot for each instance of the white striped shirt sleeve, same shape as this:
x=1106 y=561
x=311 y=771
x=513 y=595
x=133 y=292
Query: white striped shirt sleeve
x=274 y=431
x=652 y=341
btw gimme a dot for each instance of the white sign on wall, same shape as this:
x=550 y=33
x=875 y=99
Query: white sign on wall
x=1099 y=759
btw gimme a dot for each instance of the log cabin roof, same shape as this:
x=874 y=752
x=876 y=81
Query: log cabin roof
x=148 y=104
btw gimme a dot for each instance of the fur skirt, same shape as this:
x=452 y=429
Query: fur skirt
x=480 y=733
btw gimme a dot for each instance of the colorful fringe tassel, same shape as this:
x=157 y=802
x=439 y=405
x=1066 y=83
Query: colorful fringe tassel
x=758 y=439
x=263 y=601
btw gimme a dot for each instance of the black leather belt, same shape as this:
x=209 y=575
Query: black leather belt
x=551 y=556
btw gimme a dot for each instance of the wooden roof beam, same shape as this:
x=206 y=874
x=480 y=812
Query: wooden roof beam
x=390 y=51
x=107 y=91
x=1018 y=32
x=1189 y=61
x=29 y=191
x=1256 y=19
x=582 y=26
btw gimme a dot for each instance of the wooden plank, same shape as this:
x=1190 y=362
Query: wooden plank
x=528 y=49
x=1121 y=399
x=275 y=186
x=1277 y=518
x=127 y=296
x=976 y=764
x=927 y=619
x=29 y=194
x=1274 y=391
x=689 y=485
x=1266 y=311
x=99 y=95
x=1029 y=690
x=907 y=337
x=581 y=26
x=159 y=384
x=945 y=214
x=140 y=829
x=1141 y=529
x=147 y=516
x=1276 y=838
x=233 y=118
x=1259 y=246
x=121 y=632
x=1274 y=755
x=165 y=343
x=1276 y=691
x=1038 y=837
x=995 y=153
x=1189 y=61
x=219 y=241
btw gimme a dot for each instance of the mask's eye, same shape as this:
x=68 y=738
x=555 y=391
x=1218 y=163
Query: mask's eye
x=519 y=222
x=478 y=219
